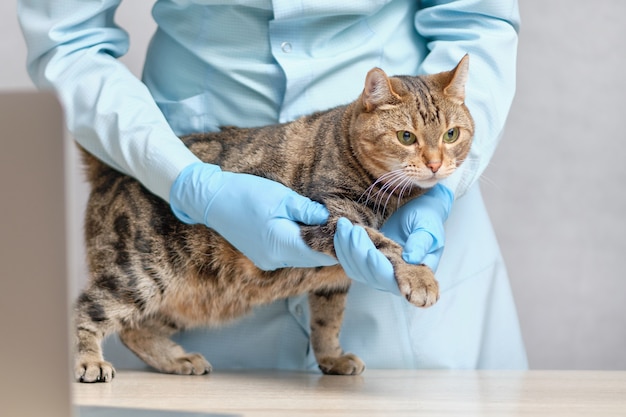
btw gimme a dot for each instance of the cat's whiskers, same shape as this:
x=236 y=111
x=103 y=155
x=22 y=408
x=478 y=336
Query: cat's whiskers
x=492 y=183
x=408 y=184
x=393 y=181
x=390 y=185
x=400 y=185
x=482 y=178
x=390 y=193
x=383 y=178
x=468 y=159
x=380 y=194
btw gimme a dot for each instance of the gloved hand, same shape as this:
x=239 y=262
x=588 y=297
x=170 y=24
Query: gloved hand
x=361 y=260
x=256 y=215
x=417 y=226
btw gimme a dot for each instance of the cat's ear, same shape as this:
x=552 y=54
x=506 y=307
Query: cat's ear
x=378 y=90
x=455 y=89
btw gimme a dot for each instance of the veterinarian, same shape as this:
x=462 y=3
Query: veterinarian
x=249 y=63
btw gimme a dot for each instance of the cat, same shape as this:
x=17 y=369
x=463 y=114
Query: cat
x=152 y=275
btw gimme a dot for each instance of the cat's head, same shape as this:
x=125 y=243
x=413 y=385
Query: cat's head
x=413 y=130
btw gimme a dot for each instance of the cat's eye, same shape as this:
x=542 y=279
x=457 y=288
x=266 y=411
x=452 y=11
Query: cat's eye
x=451 y=135
x=406 y=138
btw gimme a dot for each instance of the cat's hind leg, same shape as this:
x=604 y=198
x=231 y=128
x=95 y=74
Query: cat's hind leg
x=151 y=342
x=327 y=309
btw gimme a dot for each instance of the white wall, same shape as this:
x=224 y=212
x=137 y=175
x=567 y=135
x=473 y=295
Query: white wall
x=559 y=202
x=12 y=50
x=554 y=188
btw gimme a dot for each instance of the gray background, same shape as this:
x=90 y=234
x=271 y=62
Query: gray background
x=554 y=188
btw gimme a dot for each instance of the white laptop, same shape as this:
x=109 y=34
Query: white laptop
x=35 y=370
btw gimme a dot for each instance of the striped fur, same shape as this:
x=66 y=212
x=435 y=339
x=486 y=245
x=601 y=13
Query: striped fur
x=152 y=275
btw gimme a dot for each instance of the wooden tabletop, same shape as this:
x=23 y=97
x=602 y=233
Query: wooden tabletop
x=374 y=393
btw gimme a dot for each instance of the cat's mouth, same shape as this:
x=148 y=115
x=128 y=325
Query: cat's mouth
x=427 y=183
x=426 y=179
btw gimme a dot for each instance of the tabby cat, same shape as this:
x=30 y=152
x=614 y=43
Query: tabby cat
x=152 y=275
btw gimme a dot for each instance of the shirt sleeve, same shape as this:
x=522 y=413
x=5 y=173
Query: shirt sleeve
x=486 y=30
x=73 y=46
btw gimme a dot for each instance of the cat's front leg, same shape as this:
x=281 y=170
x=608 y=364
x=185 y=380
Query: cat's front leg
x=321 y=238
x=417 y=283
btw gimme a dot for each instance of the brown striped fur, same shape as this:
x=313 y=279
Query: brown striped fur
x=152 y=275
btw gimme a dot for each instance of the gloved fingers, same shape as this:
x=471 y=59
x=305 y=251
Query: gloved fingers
x=361 y=260
x=418 y=245
x=304 y=210
x=431 y=260
x=343 y=248
x=384 y=276
x=288 y=249
x=394 y=229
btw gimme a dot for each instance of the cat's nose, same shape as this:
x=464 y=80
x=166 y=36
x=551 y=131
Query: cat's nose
x=434 y=165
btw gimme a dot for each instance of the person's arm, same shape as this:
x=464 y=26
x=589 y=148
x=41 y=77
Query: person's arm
x=73 y=46
x=487 y=30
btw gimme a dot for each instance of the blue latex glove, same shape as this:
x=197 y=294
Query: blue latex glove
x=256 y=215
x=417 y=226
x=361 y=260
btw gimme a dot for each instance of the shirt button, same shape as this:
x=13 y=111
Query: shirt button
x=298 y=310
x=286 y=47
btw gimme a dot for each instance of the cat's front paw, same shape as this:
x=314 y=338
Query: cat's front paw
x=94 y=371
x=418 y=284
x=347 y=364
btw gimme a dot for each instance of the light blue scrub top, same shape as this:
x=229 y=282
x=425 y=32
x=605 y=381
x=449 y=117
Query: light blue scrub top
x=249 y=63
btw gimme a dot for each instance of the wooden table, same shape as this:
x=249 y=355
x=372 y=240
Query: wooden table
x=374 y=393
